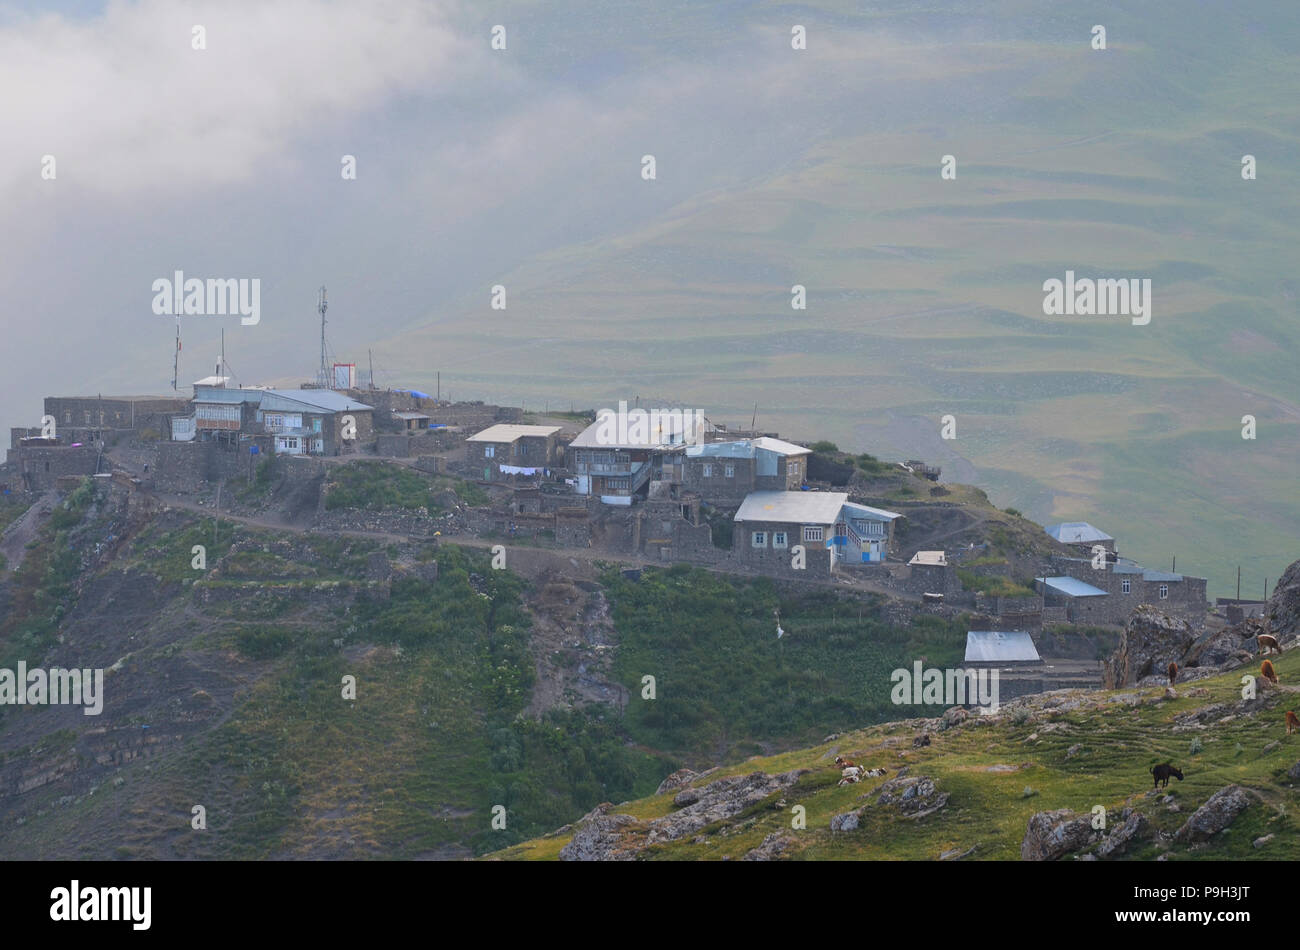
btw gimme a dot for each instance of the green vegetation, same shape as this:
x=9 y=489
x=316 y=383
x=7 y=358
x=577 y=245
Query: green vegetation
x=378 y=485
x=1027 y=760
x=725 y=683
x=995 y=586
x=825 y=448
x=43 y=584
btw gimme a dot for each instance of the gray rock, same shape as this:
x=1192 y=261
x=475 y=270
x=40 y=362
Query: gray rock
x=1151 y=640
x=1294 y=772
x=678 y=779
x=1218 y=812
x=1053 y=834
x=1118 y=840
x=845 y=822
x=771 y=848
x=687 y=796
x=600 y=837
x=914 y=797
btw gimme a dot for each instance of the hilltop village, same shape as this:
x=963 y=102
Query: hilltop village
x=643 y=487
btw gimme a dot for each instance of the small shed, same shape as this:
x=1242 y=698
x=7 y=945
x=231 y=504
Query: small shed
x=1000 y=648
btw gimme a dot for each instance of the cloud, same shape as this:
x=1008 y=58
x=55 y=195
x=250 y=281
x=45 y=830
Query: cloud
x=124 y=103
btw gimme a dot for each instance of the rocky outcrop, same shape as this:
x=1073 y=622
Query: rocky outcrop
x=1230 y=647
x=1284 y=605
x=1219 y=811
x=1053 y=834
x=915 y=797
x=1151 y=640
x=601 y=836
x=773 y=846
x=1115 y=843
x=678 y=779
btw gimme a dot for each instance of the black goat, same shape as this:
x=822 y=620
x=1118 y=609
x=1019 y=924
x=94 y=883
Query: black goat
x=1162 y=773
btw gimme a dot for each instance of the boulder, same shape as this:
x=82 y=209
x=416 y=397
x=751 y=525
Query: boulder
x=1118 y=840
x=678 y=779
x=721 y=799
x=771 y=848
x=1294 y=772
x=1229 y=648
x=1151 y=640
x=1284 y=606
x=1218 y=812
x=1053 y=834
x=846 y=822
x=915 y=797
x=601 y=837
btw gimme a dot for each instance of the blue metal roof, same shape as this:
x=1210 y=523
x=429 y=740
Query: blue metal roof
x=1071 y=587
x=320 y=400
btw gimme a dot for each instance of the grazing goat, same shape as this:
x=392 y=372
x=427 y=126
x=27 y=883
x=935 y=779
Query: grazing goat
x=875 y=773
x=1268 y=643
x=851 y=775
x=844 y=763
x=1173 y=672
x=1266 y=670
x=1292 y=723
x=921 y=741
x=1162 y=773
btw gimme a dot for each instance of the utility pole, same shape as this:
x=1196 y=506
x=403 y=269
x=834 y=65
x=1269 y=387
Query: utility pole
x=438 y=397
x=323 y=374
x=176 y=357
x=214 y=517
x=372 y=368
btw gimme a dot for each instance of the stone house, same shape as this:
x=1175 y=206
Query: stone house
x=507 y=451
x=1109 y=594
x=769 y=524
x=723 y=473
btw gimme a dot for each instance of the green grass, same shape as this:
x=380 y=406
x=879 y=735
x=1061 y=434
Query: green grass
x=725 y=683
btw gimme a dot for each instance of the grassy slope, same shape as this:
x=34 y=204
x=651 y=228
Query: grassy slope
x=1119 y=741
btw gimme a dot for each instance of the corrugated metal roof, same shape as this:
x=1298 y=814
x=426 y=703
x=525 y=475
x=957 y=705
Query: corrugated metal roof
x=508 y=432
x=664 y=438
x=321 y=400
x=743 y=449
x=1071 y=586
x=780 y=446
x=409 y=415
x=228 y=396
x=995 y=646
x=796 y=507
x=1076 y=532
x=871 y=514
x=1160 y=576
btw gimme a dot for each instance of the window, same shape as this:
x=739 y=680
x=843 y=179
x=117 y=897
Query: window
x=1164 y=591
x=794 y=468
x=729 y=471
x=812 y=534
x=759 y=540
x=489 y=451
x=1128 y=586
x=87 y=417
x=67 y=417
x=708 y=471
x=315 y=424
x=778 y=539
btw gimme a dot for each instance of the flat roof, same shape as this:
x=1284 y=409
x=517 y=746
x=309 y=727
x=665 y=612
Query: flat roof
x=796 y=507
x=745 y=448
x=673 y=438
x=409 y=415
x=508 y=432
x=997 y=646
x=322 y=400
x=1071 y=586
x=1076 y=532
x=929 y=557
x=871 y=514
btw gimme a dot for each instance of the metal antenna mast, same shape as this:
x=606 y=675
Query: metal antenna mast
x=323 y=376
